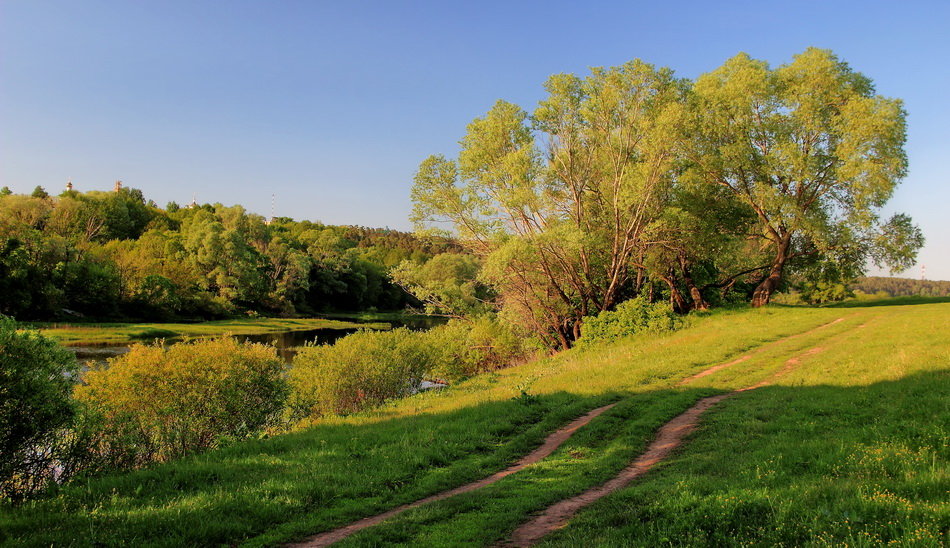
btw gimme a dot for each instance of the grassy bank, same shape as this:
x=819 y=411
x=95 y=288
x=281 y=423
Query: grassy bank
x=127 y=333
x=285 y=488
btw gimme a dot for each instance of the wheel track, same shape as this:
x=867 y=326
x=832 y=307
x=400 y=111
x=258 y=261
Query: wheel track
x=669 y=436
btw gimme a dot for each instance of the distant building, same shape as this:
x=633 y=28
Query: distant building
x=69 y=185
x=118 y=186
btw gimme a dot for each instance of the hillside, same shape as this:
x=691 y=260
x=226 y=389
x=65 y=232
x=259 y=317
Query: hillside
x=840 y=436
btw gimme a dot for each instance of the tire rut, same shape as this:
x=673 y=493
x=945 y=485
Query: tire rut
x=668 y=437
x=758 y=350
x=674 y=430
x=551 y=443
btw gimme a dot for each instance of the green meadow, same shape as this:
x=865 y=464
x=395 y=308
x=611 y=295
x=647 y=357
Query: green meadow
x=849 y=446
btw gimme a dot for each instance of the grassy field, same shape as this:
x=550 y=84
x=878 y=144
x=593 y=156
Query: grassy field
x=126 y=333
x=849 y=447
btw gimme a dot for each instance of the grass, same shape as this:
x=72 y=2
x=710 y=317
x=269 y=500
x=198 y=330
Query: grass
x=851 y=448
x=817 y=419
x=126 y=333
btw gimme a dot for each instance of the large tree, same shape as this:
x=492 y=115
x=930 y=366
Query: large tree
x=812 y=150
x=558 y=204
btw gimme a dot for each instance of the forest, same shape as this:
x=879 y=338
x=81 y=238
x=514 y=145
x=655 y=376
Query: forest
x=115 y=254
x=901 y=287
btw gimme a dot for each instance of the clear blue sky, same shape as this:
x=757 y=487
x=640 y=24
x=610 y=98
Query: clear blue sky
x=332 y=105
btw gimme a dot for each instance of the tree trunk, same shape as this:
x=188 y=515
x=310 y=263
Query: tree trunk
x=763 y=293
x=698 y=302
x=676 y=297
x=694 y=293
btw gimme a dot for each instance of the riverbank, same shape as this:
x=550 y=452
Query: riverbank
x=757 y=471
x=128 y=333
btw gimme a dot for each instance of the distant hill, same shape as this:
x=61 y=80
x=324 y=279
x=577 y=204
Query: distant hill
x=902 y=287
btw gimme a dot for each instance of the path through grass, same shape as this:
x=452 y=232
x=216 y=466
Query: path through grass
x=289 y=487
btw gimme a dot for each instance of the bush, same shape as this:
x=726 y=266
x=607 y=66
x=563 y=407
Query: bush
x=631 y=317
x=464 y=348
x=157 y=403
x=36 y=377
x=357 y=372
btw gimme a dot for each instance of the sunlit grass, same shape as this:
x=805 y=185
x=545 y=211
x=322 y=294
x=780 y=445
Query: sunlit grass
x=341 y=469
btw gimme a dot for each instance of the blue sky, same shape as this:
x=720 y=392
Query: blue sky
x=332 y=105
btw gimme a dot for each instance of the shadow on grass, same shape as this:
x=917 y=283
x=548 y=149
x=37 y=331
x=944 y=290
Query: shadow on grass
x=331 y=474
x=288 y=487
x=784 y=465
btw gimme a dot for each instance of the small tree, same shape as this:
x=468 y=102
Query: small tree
x=36 y=377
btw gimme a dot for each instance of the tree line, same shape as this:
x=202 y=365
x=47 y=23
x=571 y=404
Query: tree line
x=902 y=287
x=631 y=181
x=115 y=255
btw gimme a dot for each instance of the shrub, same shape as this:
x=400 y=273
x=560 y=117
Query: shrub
x=631 y=317
x=157 y=403
x=462 y=348
x=358 y=371
x=36 y=377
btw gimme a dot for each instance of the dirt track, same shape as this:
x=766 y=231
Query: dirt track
x=551 y=443
x=669 y=436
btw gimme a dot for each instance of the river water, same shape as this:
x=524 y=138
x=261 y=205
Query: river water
x=286 y=342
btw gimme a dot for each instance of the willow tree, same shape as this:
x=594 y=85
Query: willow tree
x=558 y=204
x=812 y=150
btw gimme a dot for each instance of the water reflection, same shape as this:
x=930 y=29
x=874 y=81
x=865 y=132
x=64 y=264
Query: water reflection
x=286 y=342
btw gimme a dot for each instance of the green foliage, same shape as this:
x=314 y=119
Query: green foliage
x=462 y=348
x=631 y=317
x=359 y=371
x=157 y=403
x=759 y=471
x=446 y=283
x=36 y=378
x=812 y=150
x=114 y=255
x=901 y=287
x=362 y=370
x=630 y=178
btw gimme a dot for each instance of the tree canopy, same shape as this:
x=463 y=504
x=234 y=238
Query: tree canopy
x=115 y=255
x=631 y=180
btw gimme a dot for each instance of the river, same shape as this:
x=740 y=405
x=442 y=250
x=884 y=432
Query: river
x=286 y=342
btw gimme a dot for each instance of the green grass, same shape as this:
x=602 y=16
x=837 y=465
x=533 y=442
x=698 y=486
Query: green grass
x=851 y=448
x=126 y=333
x=881 y=387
